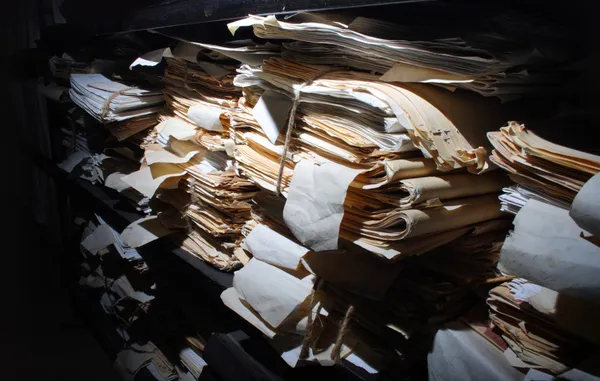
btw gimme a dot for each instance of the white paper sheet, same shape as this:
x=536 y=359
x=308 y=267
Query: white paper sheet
x=101 y=238
x=272 y=293
x=206 y=117
x=72 y=161
x=315 y=204
x=231 y=299
x=271 y=112
x=273 y=248
x=459 y=353
x=585 y=209
x=115 y=181
x=152 y=58
x=546 y=248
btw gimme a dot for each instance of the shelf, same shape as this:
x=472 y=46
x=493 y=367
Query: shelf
x=136 y=17
x=194 y=298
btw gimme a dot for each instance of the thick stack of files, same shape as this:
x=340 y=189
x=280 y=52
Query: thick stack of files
x=492 y=64
x=201 y=95
x=544 y=329
x=385 y=116
x=397 y=203
x=192 y=153
x=543 y=170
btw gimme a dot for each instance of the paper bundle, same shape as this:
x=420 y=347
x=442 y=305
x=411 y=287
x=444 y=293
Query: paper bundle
x=394 y=114
x=492 y=65
x=349 y=144
x=543 y=328
x=110 y=101
x=543 y=170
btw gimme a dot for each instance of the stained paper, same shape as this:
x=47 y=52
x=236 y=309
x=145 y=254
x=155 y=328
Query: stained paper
x=315 y=203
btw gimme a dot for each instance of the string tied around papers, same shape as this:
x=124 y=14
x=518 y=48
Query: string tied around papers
x=112 y=97
x=308 y=340
x=344 y=329
x=291 y=123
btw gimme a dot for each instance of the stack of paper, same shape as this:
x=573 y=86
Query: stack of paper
x=382 y=118
x=201 y=94
x=494 y=65
x=544 y=329
x=111 y=101
x=543 y=170
x=349 y=143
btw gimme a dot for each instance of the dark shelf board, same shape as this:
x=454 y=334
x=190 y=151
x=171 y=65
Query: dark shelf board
x=123 y=17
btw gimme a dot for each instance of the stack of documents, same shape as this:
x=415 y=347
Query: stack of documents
x=491 y=64
x=544 y=170
x=382 y=119
x=111 y=101
x=395 y=203
x=544 y=329
x=201 y=95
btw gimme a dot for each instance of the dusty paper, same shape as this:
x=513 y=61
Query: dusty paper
x=148 y=180
x=206 y=117
x=315 y=205
x=273 y=248
x=143 y=231
x=271 y=112
x=272 y=293
x=585 y=210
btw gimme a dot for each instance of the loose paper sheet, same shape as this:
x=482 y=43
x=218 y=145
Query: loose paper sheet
x=315 y=205
x=143 y=231
x=176 y=128
x=206 y=117
x=272 y=293
x=271 y=112
x=585 y=209
x=101 y=238
x=273 y=248
x=152 y=58
x=231 y=299
x=148 y=180
x=546 y=248
x=114 y=181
